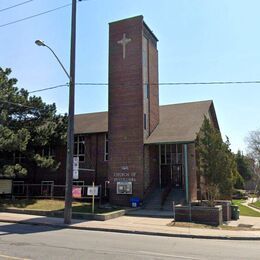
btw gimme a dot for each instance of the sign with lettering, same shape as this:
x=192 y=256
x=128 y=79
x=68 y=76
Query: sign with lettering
x=92 y=191
x=76 y=192
x=125 y=176
x=124 y=187
x=75 y=174
x=75 y=168
x=75 y=163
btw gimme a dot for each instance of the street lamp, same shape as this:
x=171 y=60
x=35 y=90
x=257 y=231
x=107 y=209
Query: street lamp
x=42 y=43
x=70 y=134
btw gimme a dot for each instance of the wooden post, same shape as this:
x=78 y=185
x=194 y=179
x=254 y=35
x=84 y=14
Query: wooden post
x=93 y=197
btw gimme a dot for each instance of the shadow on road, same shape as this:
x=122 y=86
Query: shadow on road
x=21 y=228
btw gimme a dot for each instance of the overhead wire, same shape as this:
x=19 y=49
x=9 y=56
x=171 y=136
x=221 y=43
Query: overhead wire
x=35 y=15
x=22 y=105
x=48 y=88
x=17 y=104
x=151 y=84
x=39 y=14
x=13 y=6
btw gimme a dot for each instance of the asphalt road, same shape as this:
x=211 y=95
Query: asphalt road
x=18 y=241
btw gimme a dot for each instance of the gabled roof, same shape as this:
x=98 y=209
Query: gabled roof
x=178 y=122
x=91 y=123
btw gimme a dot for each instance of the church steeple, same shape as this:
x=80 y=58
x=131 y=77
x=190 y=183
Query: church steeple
x=133 y=103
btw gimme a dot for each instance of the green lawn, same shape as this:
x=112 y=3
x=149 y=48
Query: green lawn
x=244 y=210
x=255 y=204
x=51 y=205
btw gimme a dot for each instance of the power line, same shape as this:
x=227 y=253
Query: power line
x=18 y=104
x=39 y=14
x=180 y=83
x=151 y=84
x=13 y=6
x=25 y=106
x=209 y=83
x=35 y=15
x=49 y=88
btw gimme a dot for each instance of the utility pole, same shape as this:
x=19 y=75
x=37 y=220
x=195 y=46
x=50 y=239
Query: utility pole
x=70 y=134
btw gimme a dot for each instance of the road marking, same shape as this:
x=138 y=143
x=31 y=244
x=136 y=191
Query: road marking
x=13 y=257
x=167 y=255
x=144 y=253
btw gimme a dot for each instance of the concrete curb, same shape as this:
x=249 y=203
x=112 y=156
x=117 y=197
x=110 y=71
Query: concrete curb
x=148 y=233
x=75 y=215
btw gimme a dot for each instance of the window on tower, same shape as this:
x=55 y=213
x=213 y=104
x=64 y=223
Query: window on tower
x=147 y=90
x=106 y=147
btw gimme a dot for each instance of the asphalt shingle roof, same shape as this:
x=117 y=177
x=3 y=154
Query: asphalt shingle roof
x=178 y=122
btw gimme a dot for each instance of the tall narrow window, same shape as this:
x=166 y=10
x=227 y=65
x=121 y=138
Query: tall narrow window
x=179 y=153
x=106 y=148
x=147 y=90
x=145 y=126
x=48 y=151
x=79 y=147
x=19 y=157
x=163 y=154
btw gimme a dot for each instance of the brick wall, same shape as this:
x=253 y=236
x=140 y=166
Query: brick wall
x=154 y=89
x=95 y=146
x=199 y=214
x=125 y=116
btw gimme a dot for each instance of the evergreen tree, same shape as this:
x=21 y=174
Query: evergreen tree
x=28 y=127
x=244 y=166
x=216 y=163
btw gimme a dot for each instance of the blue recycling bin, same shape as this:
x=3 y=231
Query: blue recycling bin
x=135 y=202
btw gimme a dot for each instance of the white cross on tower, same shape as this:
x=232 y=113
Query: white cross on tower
x=124 y=42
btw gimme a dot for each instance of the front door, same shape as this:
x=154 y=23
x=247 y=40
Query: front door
x=177 y=176
x=165 y=175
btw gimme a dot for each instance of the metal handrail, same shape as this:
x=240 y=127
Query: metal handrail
x=165 y=193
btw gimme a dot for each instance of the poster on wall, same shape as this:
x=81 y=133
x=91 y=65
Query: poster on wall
x=124 y=187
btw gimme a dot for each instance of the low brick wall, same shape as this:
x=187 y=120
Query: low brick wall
x=226 y=209
x=200 y=214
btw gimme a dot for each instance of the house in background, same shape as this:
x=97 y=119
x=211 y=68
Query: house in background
x=137 y=148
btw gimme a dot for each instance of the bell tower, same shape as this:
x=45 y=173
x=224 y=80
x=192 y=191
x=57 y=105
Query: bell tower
x=133 y=106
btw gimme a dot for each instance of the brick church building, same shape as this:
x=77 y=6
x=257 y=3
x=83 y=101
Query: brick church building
x=137 y=146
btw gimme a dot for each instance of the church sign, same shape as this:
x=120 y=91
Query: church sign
x=124 y=176
x=124 y=187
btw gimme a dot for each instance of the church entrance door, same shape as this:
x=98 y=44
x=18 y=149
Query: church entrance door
x=177 y=176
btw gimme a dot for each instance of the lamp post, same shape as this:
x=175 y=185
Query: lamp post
x=42 y=43
x=70 y=132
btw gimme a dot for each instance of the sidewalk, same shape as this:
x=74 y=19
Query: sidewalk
x=136 y=225
x=251 y=200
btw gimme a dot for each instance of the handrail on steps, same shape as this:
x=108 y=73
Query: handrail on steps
x=165 y=193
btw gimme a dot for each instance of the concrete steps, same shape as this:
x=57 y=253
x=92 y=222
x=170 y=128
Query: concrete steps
x=153 y=202
x=178 y=196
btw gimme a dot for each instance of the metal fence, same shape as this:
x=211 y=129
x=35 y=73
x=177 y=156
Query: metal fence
x=48 y=190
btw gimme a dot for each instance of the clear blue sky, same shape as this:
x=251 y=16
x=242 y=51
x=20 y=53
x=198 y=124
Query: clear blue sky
x=202 y=40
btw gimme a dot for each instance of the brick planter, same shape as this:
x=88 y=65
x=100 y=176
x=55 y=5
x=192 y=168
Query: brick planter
x=200 y=214
x=226 y=209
